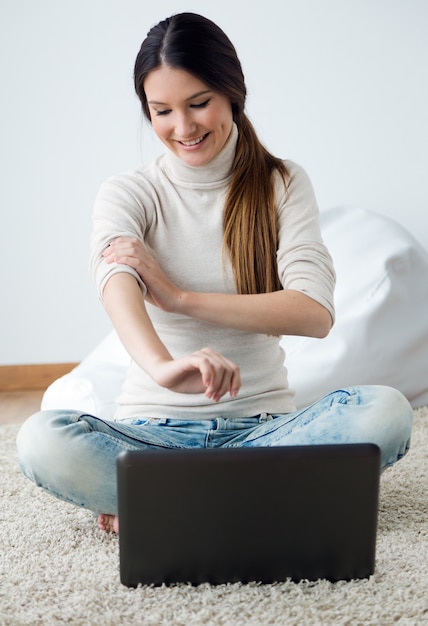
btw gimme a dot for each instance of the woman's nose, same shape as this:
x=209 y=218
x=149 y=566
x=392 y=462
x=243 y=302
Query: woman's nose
x=184 y=126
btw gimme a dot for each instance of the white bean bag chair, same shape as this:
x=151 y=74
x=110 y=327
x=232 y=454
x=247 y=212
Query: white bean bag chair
x=380 y=335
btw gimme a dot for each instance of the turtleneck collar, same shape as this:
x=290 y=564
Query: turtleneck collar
x=215 y=171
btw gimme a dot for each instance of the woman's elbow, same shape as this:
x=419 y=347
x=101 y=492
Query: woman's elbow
x=316 y=319
x=323 y=323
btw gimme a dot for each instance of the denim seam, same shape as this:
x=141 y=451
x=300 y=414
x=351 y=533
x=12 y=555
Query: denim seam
x=124 y=436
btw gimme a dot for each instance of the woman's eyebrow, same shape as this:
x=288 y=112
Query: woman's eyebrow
x=195 y=95
x=200 y=93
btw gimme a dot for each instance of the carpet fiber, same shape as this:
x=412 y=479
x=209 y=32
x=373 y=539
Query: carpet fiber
x=56 y=567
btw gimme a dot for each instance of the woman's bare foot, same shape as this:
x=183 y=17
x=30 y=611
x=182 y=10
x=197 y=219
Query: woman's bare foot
x=108 y=523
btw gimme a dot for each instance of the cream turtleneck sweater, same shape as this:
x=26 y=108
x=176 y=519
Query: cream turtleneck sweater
x=177 y=210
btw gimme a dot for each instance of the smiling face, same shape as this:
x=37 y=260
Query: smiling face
x=191 y=119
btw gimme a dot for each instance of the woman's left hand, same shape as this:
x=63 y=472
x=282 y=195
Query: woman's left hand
x=161 y=292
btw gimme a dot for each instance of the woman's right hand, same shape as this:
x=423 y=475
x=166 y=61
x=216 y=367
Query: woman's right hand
x=204 y=371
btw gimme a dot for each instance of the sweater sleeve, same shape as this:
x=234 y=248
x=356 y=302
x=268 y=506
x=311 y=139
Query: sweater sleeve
x=304 y=263
x=119 y=211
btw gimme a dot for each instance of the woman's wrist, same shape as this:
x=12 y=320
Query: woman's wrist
x=183 y=303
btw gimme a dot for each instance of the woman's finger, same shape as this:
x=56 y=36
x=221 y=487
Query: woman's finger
x=219 y=375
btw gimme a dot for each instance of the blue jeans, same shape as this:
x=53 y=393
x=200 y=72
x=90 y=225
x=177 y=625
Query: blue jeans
x=73 y=456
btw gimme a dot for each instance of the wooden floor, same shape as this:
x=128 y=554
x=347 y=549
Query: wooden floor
x=16 y=406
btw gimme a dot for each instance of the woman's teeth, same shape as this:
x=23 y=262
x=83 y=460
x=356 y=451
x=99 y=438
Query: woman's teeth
x=194 y=141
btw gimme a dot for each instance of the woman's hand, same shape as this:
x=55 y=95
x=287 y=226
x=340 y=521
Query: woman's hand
x=161 y=292
x=204 y=371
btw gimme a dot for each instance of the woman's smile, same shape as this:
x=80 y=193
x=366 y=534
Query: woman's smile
x=193 y=142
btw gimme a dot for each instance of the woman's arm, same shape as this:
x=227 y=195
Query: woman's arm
x=286 y=312
x=204 y=371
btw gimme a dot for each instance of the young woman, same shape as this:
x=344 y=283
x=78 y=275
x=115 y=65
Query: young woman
x=203 y=259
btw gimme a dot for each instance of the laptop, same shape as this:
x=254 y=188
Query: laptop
x=225 y=515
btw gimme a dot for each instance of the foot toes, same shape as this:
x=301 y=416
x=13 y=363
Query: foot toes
x=108 y=523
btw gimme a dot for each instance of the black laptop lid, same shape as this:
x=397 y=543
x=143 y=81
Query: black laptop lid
x=248 y=514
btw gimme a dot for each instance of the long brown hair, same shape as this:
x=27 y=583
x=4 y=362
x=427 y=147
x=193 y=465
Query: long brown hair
x=193 y=43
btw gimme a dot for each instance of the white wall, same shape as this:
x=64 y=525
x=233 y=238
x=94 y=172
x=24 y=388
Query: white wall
x=337 y=85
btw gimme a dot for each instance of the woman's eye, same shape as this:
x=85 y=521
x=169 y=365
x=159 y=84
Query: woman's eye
x=202 y=105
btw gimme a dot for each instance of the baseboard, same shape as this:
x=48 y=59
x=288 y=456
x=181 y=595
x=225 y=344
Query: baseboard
x=39 y=376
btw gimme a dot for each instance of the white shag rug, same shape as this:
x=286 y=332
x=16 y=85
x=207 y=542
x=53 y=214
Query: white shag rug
x=56 y=567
